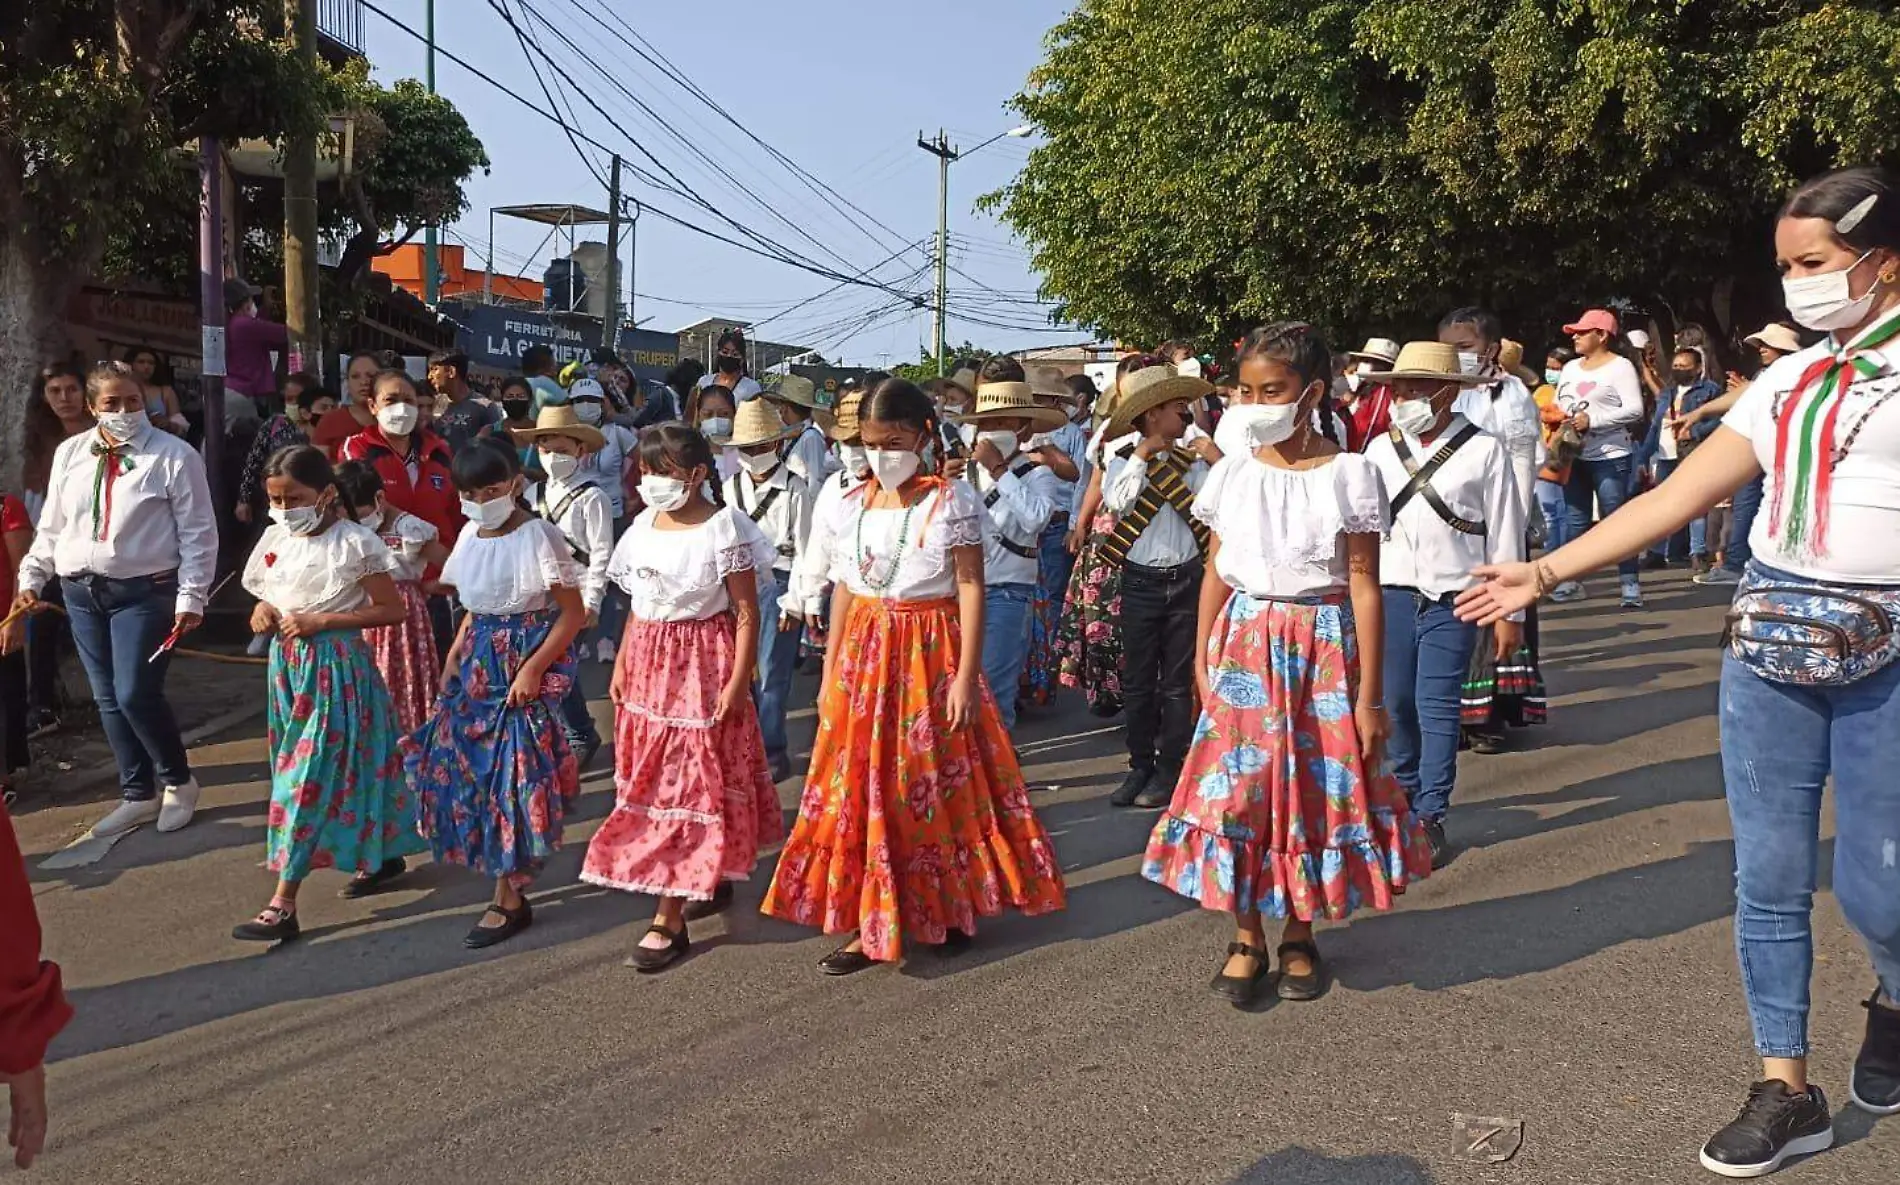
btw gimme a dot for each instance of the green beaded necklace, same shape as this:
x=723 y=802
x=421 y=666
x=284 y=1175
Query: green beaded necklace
x=866 y=562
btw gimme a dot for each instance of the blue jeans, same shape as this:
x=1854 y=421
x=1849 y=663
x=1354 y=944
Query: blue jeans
x=778 y=655
x=1779 y=744
x=577 y=721
x=1550 y=499
x=117 y=625
x=1692 y=539
x=1006 y=643
x=1427 y=651
x=1607 y=484
x=1746 y=504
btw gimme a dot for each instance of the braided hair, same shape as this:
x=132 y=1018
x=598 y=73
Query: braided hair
x=1299 y=347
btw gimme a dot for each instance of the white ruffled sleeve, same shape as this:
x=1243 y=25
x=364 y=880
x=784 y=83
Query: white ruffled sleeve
x=742 y=547
x=361 y=552
x=959 y=517
x=1207 y=502
x=553 y=556
x=1363 y=508
x=257 y=568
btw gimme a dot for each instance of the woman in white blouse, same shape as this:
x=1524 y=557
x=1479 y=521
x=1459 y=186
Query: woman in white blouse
x=1809 y=686
x=338 y=799
x=915 y=819
x=493 y=765
x=693 y=799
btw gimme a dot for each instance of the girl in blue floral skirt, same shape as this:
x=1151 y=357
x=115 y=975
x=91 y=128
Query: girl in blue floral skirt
x=493 y=766
x=337 y=795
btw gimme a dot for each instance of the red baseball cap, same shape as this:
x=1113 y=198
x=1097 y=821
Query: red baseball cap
x=1601 y=320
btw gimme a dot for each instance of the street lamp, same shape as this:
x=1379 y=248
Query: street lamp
x=941 y=149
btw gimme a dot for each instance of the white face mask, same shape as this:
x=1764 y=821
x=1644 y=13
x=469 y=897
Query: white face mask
x=1414 y=416
x=717 y=427
x=1470 y=363
x=491 y=514
x=121 y=426
x=1002 y=441
x=854 y=459
x=759 y=464
x=398 y=419
x=560 y=466
x=1353 y=379
x=1256 y=425
x=1189 y=366
x=587 y=411
x=892 y=466
x=298 y=520
x=663 y=493
x=1826 y=301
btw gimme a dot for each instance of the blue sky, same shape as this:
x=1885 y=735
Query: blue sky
x=841 y=87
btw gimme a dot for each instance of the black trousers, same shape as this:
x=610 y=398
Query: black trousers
x=1159 y=607
x=13 y=752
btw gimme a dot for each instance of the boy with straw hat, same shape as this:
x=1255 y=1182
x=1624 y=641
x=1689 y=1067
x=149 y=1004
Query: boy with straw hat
x=795 y=400
x=1021 y=496
x=572 y=499
x=810 y=592
x=779 y=502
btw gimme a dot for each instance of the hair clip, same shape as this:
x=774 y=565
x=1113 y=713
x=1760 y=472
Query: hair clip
x=1857 y=215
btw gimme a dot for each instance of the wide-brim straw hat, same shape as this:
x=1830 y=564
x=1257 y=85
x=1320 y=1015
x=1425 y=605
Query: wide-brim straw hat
x=1377 y=349
x=1775 y=337
x=795 y=390
x=1148 y=388
x=558 y=419
x=1423 y=360
x=1511 y=361
x=844 y=419
x=1012 y=400
x=756 y=422
x=965 y=381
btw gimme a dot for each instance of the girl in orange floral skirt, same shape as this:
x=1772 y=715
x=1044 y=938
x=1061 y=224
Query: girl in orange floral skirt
x=914 y=819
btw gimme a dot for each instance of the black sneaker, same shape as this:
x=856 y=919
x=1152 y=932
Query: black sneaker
x=1131 y=787
x=1876 y=1083
x=1441 y=847
x=1774 y=1125
x=1159 y=791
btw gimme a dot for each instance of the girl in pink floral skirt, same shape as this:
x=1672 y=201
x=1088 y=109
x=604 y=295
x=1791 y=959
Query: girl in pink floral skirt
x=694 y=798
x=404 y=653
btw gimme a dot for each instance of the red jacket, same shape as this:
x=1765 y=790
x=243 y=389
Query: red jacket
x=432 y=496
x=32 y=1006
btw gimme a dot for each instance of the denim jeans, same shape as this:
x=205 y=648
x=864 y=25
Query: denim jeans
x=577 y=721
x=1427 y=651
x=1006 y=609
x=1692 y=539
x=1779 y=745
x=1550 y=499
x=1746 y=504
x=772 y=685
x=117 y=626
x=1160 y=607
x=1606 y=483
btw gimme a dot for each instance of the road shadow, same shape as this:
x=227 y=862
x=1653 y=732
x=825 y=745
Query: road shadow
x=1573 y=681
x=1492 y=822
x=1299 y=1166
x=1553 y=637
x=1608 y=720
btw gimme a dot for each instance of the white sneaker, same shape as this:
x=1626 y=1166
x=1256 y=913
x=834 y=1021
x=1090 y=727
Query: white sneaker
x=1569 y=590
x=604 y=653
x=1719 y=576
x=1632 y=593
x=181 y=803
x=127 y=816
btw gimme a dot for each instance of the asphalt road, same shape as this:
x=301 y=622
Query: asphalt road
x=1572 y=969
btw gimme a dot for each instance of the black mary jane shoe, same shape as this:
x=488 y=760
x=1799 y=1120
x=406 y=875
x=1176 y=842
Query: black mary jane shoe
x=720 y=903
x=954 y=943
x=1310 y=986
x=514 y=921
x=375 y=882
x=281 y=928
x=1240 y=990
x=649 y=959
x=845 y=961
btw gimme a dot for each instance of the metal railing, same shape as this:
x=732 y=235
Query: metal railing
x=342 y=21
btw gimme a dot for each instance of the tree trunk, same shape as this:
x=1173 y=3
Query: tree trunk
x=33 y=303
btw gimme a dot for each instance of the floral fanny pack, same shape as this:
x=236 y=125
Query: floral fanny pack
x=1811 y=635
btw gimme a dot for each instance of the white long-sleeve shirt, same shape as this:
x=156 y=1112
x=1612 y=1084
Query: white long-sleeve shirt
x=1019 y=505
x=1612 y=396
x=809 y=455
x=1424 y=552
x=585 y=515
x=811 y=571
x=1504 y=408
x=160 y=517
x=1167 y=540
x=781 y=506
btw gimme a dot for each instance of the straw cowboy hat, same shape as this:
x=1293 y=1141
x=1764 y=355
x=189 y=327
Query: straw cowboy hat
x=756 y=422
x=558 y=419
x=965 y=381
x=844 y=421
x=1012 y=400
x=794 y=390
x=1775 y=337
x=1148 y=388
x=1377 y=349
x=1511 y=361
x=1423 y=360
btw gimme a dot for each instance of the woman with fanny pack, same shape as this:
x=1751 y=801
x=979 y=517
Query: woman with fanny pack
x=1809 y=688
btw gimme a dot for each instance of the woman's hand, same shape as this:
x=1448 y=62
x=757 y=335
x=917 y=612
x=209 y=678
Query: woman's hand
x=263 y=618
x=1203 y=681
x=1077 y=534
x=1510 y=635
x=730 y=699
x=26 y=1128
x=1507 y=588
x=1581 y=421
x=27 y=602
x=1373 y=726
x=527 y=685
x=960 y=705
x=242 y=512
x=300 y=625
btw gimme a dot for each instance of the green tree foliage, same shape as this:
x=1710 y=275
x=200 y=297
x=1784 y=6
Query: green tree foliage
x=1215 y=163
x=925 y=368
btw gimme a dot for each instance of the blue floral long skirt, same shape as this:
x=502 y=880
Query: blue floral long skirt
x=496 y=781
x=338 y=799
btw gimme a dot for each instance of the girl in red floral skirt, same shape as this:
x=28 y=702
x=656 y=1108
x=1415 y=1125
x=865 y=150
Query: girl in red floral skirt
x=405 y=653
x=694 y=798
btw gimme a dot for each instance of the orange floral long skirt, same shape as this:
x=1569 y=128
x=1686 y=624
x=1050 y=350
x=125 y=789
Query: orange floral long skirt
x=907 y=828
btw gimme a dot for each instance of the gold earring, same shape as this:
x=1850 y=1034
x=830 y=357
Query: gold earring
x=1889 y=277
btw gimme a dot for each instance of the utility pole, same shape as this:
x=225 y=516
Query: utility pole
x=940 y=148
x=211 y=298
x=633 y=259
x=300 y=210
x=431 y=265
x=610 y=316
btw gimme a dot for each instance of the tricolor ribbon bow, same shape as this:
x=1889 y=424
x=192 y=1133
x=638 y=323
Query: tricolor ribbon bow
x=1806 y=422
x=112 y=461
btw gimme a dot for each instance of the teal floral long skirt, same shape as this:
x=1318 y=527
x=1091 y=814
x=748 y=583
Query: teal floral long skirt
x=338 y=798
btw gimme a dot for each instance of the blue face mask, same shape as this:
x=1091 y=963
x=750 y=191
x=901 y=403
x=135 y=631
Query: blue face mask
x=1551 y=376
